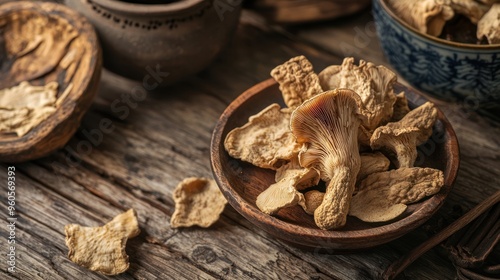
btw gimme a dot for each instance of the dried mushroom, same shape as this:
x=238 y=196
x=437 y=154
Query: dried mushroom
x=102 y=249
x=24 y=106
x=400 y=107
x=328 y=126
x=489 y=25
x=265 y=141
x=372 y=163
x=427 y=16
x=290 y=178
x=472 y=9
x=402 y=138
x=312 y=200
x=198 y=201
x=374 y=85
x=297 y=81
x=383 y=196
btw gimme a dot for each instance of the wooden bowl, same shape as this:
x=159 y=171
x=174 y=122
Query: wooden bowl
x=241 y=182
x=72 y=61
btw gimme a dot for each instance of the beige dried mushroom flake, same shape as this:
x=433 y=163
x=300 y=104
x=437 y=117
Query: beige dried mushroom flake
x=265 y=141
x=489 y=25
x=383 y=196
x=312 y=200
x=297 y=81
x=24 y=106
x=290 y=178
x=374 y=85
x=427 y=16
x=402 y=138
x=198 y=201
x=400 y=107
x=102 y=249
x=327 y=125
x=372 y=163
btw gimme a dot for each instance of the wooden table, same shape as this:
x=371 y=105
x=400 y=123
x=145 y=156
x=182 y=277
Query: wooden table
x=158 y=141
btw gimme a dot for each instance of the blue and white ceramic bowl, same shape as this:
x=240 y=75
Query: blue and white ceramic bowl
x=448 y=70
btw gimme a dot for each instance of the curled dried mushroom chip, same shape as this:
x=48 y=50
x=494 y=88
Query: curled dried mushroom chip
x=372 y=163
x=402 y=138
x=290 y=178
x=400 y=107
x=24 y=106
x=198 y=201
x=312 y=200
x=489 y=25
x=383 y=196
x=297 y=81
x=265 y=140
x=328 y=126
x=427 y=16
x=373 y=84
x=102 y=249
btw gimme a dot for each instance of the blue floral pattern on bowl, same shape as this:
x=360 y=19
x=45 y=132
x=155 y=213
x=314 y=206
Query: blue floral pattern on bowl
x=448 y=72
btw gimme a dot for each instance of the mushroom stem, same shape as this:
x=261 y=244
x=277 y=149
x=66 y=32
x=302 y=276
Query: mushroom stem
x=332 y=212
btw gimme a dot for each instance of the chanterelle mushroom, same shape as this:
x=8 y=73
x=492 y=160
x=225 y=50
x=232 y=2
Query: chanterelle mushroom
x=290 y=178
x=328 y=126
x=489 y=25
x=427 y=16
x=383 y=196
x=265 y=141
x=403 y=137
x=374 y=85
x=297 y=81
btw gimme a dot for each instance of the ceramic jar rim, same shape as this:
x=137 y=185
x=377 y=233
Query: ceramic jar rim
x=148 y=9
x=437 y=40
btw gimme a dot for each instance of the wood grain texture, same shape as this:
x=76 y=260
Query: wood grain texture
x=166 y=137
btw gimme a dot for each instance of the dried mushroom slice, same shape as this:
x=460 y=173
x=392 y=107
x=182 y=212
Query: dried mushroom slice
x=290 y=178
x=383 y=196
x=401 y=142
x=374 y=85
x=312 y=200
x=297 y=79
x=24 y=106
x=401 y=107
x=265 y=141
x=328 y=126
x=489 y=25
x=198 y=202
x=427 y=16
x=301 y=177
x=472 y=9
x=102 y=249
x=372 y=163
x=402 y=138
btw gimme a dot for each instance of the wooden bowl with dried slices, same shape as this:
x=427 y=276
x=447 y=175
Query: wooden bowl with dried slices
x=318 y=201
x=51 y=65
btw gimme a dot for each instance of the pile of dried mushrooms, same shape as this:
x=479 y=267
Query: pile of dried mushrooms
x=342 y=126
x=431 y=17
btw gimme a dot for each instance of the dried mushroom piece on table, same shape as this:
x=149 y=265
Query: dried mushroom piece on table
x=290 y=178
x=402 y=138
x=265 y=141
x=102 y=249
x=489 y=25
x=24 y=106
x=427 y=16
x=298 y=81
x=383 y=196
x=328 y=126
x=373 y=84
x=198 y=202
